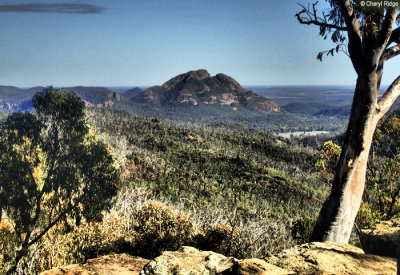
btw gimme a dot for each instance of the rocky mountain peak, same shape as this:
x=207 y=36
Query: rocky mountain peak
x=198 y=88
x=182 y=78
x=229 y=82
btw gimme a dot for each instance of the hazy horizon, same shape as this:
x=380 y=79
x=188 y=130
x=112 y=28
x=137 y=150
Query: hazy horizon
x=247 y=87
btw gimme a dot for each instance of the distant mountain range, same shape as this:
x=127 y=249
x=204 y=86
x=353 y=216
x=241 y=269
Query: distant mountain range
x=198 y=89
x=197 y=97
x=132 y=92
x=193 y=90
x=16 y=99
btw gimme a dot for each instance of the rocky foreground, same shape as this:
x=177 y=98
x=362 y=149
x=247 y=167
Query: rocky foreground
x=312 y=258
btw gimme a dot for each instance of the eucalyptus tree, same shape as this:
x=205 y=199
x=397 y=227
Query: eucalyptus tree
x=370 y=36
x=52 y=170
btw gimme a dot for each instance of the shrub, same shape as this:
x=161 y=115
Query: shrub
x=220 y=238
x=368 y=215
x=7 y=244
x=160 y=228
x=95 y=239
x=89 y=240
x=302 y=229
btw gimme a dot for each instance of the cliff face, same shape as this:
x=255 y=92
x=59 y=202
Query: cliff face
x=197 y=88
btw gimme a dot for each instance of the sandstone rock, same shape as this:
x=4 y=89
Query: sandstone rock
x=258 y=266
x=312 y=258
x=269 y=105
x=188 y=260
x=87 y=103
x=383 y=240
x=332 y=258
x=121 y=264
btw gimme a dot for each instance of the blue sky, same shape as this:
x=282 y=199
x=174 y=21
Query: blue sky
x=130 y=42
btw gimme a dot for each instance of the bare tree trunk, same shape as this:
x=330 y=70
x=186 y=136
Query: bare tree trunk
x=336 y=219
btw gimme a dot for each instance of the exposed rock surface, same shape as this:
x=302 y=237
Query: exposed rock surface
x=188 y=260
x=313 y=258
x=383 y=239
x=198 y=88
x=257 y=266
x=6 y=105
x=121 y=264
x=332 y=258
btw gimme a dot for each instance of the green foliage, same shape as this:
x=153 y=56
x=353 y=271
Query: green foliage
x=220 y=238
x=328 y=157
x=7 y=244
x=161 y=228
x=211 y=172
x=52 y=169
x=2 y=116
x=383 y=187
x=368 y=215
x=80 y=243
x=302 y=229
x=219 y=170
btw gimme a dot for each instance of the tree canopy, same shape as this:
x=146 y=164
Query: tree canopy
x=52 y=170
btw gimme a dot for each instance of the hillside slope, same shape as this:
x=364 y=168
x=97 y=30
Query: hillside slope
x=266 y=181
x=198 y=88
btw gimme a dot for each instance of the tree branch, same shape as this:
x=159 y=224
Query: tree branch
x=390 y=53
x=395 y=37
x=307 y=17
x=353 y=31
x=50 y=225
x=389 y=97
x=347 y=11
x=386 y=31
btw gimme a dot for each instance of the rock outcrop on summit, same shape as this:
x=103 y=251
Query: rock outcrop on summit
x=311 y=258
x=198 y=88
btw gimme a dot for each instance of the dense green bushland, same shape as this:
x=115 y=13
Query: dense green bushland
x=203 y=116
x=230 y=189
x=227 y=174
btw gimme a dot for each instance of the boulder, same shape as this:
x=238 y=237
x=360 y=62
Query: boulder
x=188 y=260
x=332 y=258
x=383 y=239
